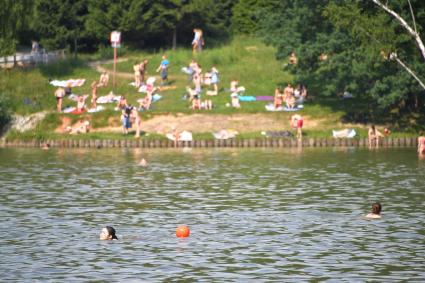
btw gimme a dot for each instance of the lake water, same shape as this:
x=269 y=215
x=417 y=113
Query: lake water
x=255 y=215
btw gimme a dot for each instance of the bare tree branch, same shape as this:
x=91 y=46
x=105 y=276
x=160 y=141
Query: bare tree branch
x=413 y=16
x=393 y=56
x=404 y=24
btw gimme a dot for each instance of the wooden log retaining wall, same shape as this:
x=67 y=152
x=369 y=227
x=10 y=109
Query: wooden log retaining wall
x=258 y=142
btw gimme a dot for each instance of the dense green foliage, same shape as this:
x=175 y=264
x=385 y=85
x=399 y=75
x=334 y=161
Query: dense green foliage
x=14 y=16
x=4 y=111
x=343 y=46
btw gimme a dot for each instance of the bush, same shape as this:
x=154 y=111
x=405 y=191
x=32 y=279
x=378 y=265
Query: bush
x=5 y=115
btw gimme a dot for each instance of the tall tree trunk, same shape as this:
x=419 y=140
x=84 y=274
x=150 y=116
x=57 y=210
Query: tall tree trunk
x=174 y=38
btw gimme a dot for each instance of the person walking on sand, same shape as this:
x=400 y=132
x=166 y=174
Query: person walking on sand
x=59 y=94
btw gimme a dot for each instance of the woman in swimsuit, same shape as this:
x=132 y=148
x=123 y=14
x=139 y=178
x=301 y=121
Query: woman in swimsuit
x=373 y=136
x=421 y=144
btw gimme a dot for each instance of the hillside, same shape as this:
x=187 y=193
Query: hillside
x=245 y=59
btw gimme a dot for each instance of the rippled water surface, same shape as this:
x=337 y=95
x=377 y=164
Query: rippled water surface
x=255 y=215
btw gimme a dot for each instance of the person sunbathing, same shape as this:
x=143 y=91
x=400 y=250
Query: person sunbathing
x=81 y=127
x=235 y=100
x=278 y=97
x=145 y=103
x=104 y=79
x=81 y=103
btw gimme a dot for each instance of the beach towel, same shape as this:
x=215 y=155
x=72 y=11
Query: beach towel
x=108 y=99
x=77 y=111
x=277 y=134
x=68 y=83
x=156 y=97
x=225 y=134
x=246 y=98
x=183 y=136
x=346 y=133
x=68 y=109
x=270 y=107
x=264 y=98
x=97 y=109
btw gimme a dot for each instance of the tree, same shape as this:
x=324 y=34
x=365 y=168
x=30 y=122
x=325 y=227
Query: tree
x=346 y=46
x=14 y=16
x=60 y=23
x=154 y=23
x=246 y=17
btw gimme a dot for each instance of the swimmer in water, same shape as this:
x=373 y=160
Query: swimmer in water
x=108 y=233
x=376 y=211
x=143 y=163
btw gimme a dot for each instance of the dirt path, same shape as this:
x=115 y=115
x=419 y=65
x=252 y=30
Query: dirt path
x=97 y=66
x=203 y=123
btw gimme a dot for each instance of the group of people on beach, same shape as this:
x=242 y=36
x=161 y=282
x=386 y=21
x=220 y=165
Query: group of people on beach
x=197 y=80
x=108 y=233
x=290 y=96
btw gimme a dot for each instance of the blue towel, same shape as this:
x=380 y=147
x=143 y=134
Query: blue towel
x=247 y=98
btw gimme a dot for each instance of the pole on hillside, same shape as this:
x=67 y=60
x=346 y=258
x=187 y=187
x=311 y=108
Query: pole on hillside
x=115 y=67
x=115 y=43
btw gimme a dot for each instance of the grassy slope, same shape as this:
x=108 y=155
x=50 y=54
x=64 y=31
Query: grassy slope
x=245 y=59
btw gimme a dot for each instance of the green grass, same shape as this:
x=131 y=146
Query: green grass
x=245 y=59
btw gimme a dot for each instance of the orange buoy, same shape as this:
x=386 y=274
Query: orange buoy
x=182 y=231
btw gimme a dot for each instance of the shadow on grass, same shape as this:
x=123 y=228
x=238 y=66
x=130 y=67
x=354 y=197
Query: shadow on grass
x=61 y=68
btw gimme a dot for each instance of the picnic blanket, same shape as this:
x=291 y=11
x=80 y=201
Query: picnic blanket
x=156 y=97
x=183 y=136
x=246 y=98
x=97 y=109
x=277 y=134
x=108 y=99
x=225 y=134
x=346 y=133
x=68 y=83
x=270 y=107
x=264 y=98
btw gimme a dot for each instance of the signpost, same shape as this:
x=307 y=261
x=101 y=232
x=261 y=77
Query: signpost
x=115 y=43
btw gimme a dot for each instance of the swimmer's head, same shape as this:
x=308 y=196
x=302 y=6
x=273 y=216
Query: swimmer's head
x=108 y=233
x=376 y=208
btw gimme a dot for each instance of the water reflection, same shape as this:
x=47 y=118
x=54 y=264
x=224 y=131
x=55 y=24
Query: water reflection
x=266 y=215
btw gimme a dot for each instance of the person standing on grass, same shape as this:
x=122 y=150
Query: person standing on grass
x=143 y=70
x=94 y=94
x=163 y=70
x=136 y=69
x=59 y=94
